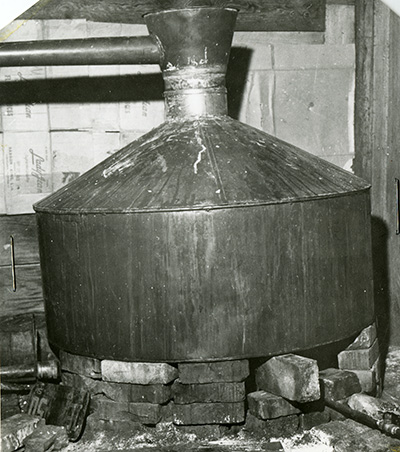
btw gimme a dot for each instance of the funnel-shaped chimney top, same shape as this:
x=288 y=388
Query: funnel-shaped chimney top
x=195 y=46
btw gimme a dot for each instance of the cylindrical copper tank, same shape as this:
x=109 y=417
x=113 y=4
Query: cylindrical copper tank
x=205 y=239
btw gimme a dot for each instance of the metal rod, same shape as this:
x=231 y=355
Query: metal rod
x=113 y=50
x=13 y=273
x=362 y=418
x=397 y=206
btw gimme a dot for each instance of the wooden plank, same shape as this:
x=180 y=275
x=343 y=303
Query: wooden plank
x=364 y=18
x=377 y=157
x=271 y=15
x=28 y=296
x=23 y=230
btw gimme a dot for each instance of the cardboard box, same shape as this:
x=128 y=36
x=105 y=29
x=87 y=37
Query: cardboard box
x=22 y=30
x=74 y=153
x=31 y=116
x=27 y=162
x=2 y=178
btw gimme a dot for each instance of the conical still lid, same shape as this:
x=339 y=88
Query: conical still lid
x=199 y=158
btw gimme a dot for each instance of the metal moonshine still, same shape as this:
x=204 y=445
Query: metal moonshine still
x=205 y=239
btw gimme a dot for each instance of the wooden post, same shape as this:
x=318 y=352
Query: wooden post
x=377 y=138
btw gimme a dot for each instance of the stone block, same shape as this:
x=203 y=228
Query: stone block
x=157 y=393
x=265 y=405
x=361 y=359
x=108 y=409
x=145 y=413
x=282 y=426
x=209 y=413
x=338 y=384
x=81 y=365
x=119 y=392
x=216 y=372
x=138 y=373
x=45 y=437
x=16 y=428
x=293 y=377
x=309 y=420
x=367 y=380
x=365 y=339
x=208 y=392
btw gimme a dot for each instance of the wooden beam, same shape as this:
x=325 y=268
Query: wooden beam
x=23 y=230
x=261 y=15
x=28 y=296
x=376 y=148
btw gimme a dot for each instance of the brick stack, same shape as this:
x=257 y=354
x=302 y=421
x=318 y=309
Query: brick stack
x=290 y=390
x=136 y=392
x=284 y=385
x=210 y=393
x=362 y=358
x=149 y=393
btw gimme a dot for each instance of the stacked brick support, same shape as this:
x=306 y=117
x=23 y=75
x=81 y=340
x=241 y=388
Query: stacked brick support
x=290 y=390
x=362 y=358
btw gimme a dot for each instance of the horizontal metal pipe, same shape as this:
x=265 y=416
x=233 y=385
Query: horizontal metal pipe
x=112 y=50
x=49 y=370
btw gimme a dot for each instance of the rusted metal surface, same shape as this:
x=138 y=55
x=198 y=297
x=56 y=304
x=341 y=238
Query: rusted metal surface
x=205 y=239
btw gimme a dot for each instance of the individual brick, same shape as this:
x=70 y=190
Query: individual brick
x=119 y=392
x=309 y=420
x=157 y=393
x=145 y=413
x=108 y=409
x=208 y=392
x=209 y=413
x=361 y=359
x=16 y=428
x=265 y=405
x=369 y=379
x=281 y=426
x=45 y=437
x=215 y=372
x=338 y=384
x=290 y=376
x=365 y=339
x=138 y=373
x=81 y=365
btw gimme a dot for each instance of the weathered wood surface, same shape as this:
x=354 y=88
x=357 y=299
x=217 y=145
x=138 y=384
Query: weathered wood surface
x=23 y=230
x=28 y=296
x=377 y=156
x=271 y=15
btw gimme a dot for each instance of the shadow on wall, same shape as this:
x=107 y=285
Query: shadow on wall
x=122 y=88
x=381 y=283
